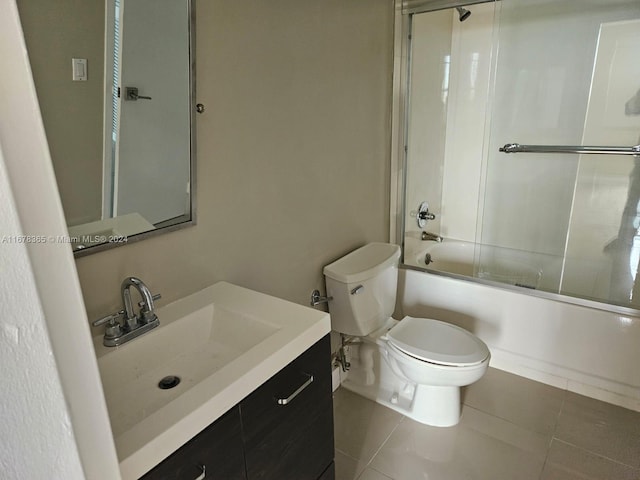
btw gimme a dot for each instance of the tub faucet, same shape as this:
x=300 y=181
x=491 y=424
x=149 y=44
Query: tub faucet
x=132 y=326
x=431 y=236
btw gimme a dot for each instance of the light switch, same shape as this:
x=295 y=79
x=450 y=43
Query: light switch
x=79 y=69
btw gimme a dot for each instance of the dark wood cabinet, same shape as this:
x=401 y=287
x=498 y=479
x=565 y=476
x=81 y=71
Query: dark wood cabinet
x=281 y=431
x=218 y=448
x=287 y=423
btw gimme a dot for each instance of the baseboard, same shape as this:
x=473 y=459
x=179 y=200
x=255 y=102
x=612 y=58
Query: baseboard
x=567 y=379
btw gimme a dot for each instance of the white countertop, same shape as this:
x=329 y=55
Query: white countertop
x=153 y=438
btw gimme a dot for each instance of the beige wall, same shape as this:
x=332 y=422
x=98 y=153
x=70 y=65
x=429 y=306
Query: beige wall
x=293 y=152
x=56 y=32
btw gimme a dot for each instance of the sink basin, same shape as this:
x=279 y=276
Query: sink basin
x=221 y=343
x=190 y=348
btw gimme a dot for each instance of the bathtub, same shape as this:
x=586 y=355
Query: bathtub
x=486 y=262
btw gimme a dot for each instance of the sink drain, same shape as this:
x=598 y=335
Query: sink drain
x=168 y=382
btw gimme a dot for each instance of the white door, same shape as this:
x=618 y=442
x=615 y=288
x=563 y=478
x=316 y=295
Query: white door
x=152 y=171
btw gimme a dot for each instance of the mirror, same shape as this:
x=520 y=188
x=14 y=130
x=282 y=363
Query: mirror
x=115 y=83
x=552 y=76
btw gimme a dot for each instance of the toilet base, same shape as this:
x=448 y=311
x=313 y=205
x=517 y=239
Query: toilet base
x=435 y=408
x=371 y=377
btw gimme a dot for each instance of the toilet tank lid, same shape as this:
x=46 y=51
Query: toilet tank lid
x=363 y=263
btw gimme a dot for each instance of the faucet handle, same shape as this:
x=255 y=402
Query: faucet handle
x=143 y=304
x=111 y=319
x=147 y=313
x=113 y=328
x=423 y=214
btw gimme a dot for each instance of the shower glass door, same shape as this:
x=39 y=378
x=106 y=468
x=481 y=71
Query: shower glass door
x=567 y=74
x=562 y=73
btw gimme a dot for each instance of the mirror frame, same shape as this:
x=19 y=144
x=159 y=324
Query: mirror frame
x=192 y=160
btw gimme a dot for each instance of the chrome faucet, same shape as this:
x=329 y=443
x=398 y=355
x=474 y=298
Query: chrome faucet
x=431 y=236
x=147 y=312
x=132 y=326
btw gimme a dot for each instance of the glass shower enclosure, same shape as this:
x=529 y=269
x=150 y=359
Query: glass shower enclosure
x=521 y=140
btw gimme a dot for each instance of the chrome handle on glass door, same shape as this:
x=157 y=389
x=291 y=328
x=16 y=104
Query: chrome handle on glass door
x=579 y=149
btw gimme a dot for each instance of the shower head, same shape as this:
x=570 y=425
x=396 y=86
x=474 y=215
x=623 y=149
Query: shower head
x=464 y=13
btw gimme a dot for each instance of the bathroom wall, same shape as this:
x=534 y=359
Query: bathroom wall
x=72 y=111
x=427 y=115
x=450 y=74
x=293 y=152
x=471 y=57
x=26 y=427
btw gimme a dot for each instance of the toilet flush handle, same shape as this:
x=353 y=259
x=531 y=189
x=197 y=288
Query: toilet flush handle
x=317 y=299
x=357 y=290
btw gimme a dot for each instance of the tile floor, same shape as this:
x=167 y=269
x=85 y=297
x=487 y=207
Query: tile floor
x=512 y=428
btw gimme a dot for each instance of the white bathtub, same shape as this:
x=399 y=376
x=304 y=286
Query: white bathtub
x=504 y=265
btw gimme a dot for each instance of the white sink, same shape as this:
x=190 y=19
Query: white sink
x=222 y=342
x=191 y=348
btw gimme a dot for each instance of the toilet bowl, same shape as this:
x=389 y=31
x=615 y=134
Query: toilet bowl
x=439 y=359
x=436 y=353
x=415 y=366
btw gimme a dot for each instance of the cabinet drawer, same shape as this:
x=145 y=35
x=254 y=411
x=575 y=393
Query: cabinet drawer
x=218 y=448
x=287 y=423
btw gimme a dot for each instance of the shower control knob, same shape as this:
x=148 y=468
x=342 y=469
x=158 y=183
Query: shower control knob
x=423 y=214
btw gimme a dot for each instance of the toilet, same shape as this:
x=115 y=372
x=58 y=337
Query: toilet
x=415 y=366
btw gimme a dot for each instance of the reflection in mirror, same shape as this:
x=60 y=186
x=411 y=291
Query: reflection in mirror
x=114 y=80
x=537 y=73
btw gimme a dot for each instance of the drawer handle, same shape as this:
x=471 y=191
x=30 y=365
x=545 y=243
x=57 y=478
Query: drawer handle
x=285 y=401
x=203 y=474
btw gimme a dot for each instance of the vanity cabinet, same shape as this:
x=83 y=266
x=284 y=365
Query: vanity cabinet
x=216 y=453
x=287 y=423
x=281 y=431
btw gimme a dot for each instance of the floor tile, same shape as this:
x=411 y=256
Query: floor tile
x=504 y=431
x=480 y=447
x=601 y=428
x=347 y=468
x=521 y=401
x=371 y=474
x=361 y=426
x=567 y=462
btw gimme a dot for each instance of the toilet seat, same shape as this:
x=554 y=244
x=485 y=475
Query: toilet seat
x=437 y=342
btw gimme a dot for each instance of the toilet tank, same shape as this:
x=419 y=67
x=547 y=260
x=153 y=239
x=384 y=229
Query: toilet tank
x=363 y=285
